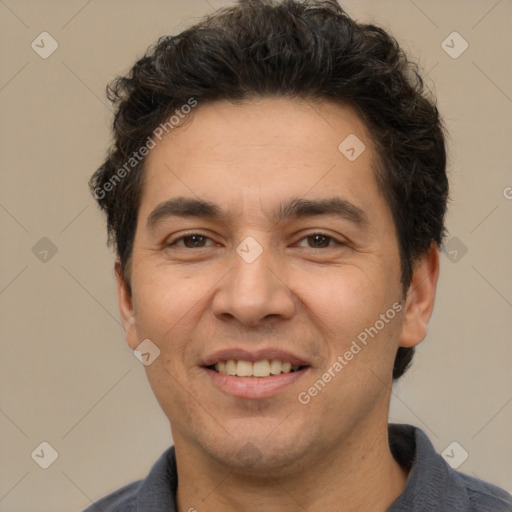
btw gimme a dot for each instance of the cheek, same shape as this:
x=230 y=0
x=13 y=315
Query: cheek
x=166 y=306
x=353 y=311
x=343 y=300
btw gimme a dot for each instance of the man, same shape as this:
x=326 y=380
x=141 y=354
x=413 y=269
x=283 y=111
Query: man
x=276 y=195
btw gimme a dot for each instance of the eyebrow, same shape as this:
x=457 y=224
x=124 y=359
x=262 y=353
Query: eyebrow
x=293 y=208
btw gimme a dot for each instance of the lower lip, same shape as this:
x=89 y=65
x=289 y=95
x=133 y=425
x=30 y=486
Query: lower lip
x=254 y=387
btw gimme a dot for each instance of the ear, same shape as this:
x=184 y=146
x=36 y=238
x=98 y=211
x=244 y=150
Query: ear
x=419 y=303
x=124 y=299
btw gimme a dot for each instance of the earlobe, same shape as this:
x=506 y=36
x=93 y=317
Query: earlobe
x=124 y=299
x=419 y=304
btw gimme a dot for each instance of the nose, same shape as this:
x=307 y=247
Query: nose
x=253 y=292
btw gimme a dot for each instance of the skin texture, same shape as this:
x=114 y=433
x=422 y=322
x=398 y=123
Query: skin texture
x=309 y=298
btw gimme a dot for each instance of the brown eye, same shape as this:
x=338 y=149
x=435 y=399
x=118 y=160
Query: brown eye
x=319 y=241
x=192 y=241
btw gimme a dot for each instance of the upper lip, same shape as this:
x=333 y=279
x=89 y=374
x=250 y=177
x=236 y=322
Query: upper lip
x=239 y=354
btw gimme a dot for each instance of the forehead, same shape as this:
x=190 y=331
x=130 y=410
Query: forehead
x=264 y=151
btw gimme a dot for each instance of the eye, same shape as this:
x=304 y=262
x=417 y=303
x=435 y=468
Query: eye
x=320 y=241
x=198 y=241
x=190 y=241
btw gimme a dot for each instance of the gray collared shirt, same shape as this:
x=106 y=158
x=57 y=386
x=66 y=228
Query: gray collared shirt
x=432 y=485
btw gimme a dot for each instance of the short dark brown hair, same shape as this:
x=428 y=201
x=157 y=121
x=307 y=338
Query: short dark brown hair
x=293 y=48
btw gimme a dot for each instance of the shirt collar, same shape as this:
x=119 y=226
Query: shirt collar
x=431 y=484
x=158 y=491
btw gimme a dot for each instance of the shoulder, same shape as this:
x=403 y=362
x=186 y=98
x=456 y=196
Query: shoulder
x=433 y=485
x=156 y=492
x=484 y=496
x=122 y=500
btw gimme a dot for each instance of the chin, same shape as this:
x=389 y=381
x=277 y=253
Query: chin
x=253 y=455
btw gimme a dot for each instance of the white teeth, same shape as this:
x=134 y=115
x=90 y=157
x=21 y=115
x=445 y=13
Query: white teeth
x=230 y=367
x=275 y=367
x=263 y=368
x=286 y=367
x=244 y=369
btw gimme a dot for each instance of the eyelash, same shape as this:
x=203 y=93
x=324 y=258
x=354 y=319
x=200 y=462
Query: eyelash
x=316 y=233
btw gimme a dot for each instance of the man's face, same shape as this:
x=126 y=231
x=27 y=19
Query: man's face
x=249 y=285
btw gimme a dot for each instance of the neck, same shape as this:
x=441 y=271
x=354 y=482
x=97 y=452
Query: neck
x=361 y=475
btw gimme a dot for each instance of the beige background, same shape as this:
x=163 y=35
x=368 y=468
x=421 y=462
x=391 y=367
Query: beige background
x=67 y=376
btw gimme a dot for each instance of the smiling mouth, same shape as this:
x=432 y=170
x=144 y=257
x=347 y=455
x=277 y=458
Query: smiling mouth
x=264 y=368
